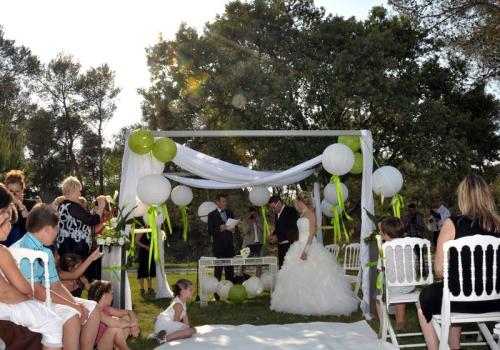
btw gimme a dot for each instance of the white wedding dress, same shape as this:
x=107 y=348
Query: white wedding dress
x=315 y=286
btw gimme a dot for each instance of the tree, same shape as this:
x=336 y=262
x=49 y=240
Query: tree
x=469 y=26
x=99 y=93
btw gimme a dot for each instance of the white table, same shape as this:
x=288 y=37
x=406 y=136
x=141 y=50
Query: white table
x=209 y=262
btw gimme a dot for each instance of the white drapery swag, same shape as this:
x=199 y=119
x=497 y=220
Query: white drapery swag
x=218 y=174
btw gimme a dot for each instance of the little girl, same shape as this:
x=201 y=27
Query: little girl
x=173 y=323
x=72 y=269
x=116 y=324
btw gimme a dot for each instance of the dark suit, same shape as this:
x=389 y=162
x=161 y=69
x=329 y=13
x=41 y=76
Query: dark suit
x=285 y=228
x=222 y=242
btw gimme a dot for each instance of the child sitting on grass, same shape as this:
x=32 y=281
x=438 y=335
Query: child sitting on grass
x=116 y=324
x=173 y=323
x=72 y=269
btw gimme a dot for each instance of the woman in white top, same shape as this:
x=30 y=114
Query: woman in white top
x=173 y=322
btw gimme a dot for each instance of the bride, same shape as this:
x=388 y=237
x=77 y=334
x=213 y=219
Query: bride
x=310 y=281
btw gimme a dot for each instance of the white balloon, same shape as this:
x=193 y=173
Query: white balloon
x=326 y=208
x=157 y=167
x=387 y=181
x=140 y=209
x=159 y=220
x=223 y=288
x=210 y=284
x=204 y=209
x=267 y=280
x=254 y=287
x=330 y=193
x=181 y=195
x=337 y=159
x=259 y=196
x=153 y=189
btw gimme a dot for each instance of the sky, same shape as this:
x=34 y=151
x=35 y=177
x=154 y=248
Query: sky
x=117 y=32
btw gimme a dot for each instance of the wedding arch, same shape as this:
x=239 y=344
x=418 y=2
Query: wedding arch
x=214 y=173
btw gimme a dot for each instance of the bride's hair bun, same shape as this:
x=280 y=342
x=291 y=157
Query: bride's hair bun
x=306 y=198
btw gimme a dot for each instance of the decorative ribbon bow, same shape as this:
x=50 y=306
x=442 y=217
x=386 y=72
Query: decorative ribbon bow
x=397 y=203
x=153 y=245
x=339 y=211
x=184 y=222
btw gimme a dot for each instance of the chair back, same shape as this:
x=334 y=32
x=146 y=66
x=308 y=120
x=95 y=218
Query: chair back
x=333 y=249
x=407 y=262
x=32 y=256
x=351 y=257
x=482 y=247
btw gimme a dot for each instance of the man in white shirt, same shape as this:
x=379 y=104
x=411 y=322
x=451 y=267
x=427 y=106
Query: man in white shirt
x=438 y=214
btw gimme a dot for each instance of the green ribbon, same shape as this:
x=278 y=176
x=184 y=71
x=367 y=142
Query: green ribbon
x=153 y=243
x=337 y=235
x=184 y=222
x=397 y=203
x=131 y=249
x=339 y=212
x=266 y=230
x=113 y=270
x=166 y=217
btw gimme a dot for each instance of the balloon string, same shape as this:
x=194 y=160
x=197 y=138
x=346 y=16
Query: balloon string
x=397 y=203
x=153 y=245
x=184 y=222
x=167 y=217
x=131 y=250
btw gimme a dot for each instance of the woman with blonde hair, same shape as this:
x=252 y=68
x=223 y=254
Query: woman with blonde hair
x=310 y=281
x=479 y=217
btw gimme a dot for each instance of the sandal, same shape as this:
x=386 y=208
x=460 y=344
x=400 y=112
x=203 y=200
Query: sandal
x=151 y=291
x=142 y=291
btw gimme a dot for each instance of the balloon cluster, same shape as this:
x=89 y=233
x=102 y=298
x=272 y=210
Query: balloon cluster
x=141 y=141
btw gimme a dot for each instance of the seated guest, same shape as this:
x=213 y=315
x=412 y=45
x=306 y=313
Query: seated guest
x=75 y=222
x=15 y=293
x=80 y=320
x=479 y=217
x=116 y=324
x=72 y=269
x=14 y=180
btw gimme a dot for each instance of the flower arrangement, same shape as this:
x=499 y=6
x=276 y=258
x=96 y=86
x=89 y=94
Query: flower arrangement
x=114 y=229
x=245 y=252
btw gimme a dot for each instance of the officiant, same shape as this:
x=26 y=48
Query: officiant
x=222 y=235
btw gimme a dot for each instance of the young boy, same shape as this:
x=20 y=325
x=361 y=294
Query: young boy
x=80 y=322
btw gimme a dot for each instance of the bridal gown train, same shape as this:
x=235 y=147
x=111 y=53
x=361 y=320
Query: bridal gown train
x=315 y=286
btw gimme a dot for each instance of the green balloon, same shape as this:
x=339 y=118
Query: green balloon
x=141 y=141
x=237 y=294
x=357 y=168
x=350 y=141
x=164 y=149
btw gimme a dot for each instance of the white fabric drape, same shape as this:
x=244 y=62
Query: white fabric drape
x=319 y=213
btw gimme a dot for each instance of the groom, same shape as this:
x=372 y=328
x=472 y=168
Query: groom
x=285 y=227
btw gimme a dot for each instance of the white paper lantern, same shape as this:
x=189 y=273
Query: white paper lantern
x=254 y=287
x=259 y=196
x=210 y=284
x=330 y=193
x=181 y=195
x=153 y=189
x=337 y=159
x=204 y=209
x=267 y=280
x=387 y=181
x=140 y=209
x=223 y=288
x=326 y=208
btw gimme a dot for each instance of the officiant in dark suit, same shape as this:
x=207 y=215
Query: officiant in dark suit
x=285 y=227
x=222 y=237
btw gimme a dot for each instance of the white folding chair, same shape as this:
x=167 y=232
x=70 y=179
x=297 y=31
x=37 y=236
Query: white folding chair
x=497 y=333
x=406 y=262
x=443 y=322
x=32 y=256
x=352 y=262
x=333 y=249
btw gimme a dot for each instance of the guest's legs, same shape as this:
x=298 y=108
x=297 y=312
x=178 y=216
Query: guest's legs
x=71 y=333
x=89 y=330
x=454 y=337
x=218 y=272
x=150 y=284
x=431 y=338
x=400 y=316
x=141 y=283
x=229 y=272
x=182 y=334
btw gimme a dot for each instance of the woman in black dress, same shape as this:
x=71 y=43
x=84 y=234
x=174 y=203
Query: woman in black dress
x=479 y=217
x=145 y=271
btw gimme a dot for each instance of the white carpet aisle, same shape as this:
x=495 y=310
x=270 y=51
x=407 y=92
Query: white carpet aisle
x=310 y=336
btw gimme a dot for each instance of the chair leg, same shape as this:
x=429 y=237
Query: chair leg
x=488 y=336
x=445 y=333
x=358 y=283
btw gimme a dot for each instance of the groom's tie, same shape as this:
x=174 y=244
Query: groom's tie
x=223 y=216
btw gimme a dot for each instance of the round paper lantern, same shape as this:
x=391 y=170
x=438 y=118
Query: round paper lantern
x=326 y=208
x=164 y=149
x=357 y=168
x=267 y=280
x=141 y=141
x=153 y=189
x=210 y=284
x=351 y=141
x=387 y=181
x=337 y=159
x=181 y=195
x=254 y=287
x=140 y=209
x=259 y=196
x=204 y=209
x=223 y=288
x=330 y=193
x=237 y=294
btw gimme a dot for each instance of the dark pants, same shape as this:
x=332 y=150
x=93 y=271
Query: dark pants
x=435 y=236
x=255 y=250
x=228 y=272
x=282 y=250
x=224 y=249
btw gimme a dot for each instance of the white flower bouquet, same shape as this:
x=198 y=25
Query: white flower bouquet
x=245 y=252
